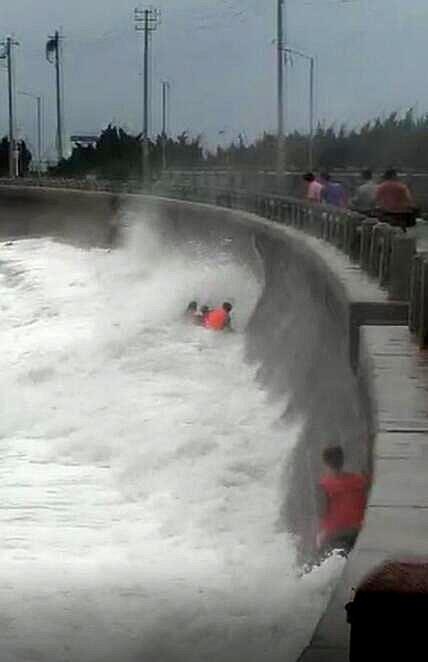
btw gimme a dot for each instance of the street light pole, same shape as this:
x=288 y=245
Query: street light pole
x=8 y=55
x=311 y=60
x=311 y=113
x=147 y=21
x=280 y=88
x=54 y=46
x=38 y=100
x=12 y=125
x=165 y=104
x=39 y=135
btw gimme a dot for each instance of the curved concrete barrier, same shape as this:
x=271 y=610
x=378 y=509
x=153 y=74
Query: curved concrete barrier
x=305 y=334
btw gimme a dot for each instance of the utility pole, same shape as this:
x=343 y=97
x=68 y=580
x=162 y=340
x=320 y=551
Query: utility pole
x=8 y=55
x=147 y=21
x=38 y=100
x=311 y=113
x=280 y=64
x=165 y=103
x=53 y=47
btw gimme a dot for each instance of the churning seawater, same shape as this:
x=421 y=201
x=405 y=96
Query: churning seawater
x=141 y=466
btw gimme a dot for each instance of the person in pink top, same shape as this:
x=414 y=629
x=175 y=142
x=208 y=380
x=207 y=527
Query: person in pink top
x=314 y=190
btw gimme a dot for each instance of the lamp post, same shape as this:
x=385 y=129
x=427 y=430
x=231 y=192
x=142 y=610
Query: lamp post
x=165 y=113
x=311 y=60
x=281 y=156
x=281 y=50
x=38 y=100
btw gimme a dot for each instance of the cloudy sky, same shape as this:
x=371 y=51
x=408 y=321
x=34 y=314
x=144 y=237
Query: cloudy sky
x=219 y=56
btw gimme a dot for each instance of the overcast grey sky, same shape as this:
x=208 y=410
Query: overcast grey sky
x=220 y=58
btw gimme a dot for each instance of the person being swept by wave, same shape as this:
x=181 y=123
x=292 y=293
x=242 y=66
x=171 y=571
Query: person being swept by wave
x=342 y=499
x=219 y=319
x=205 y=311
x=192 y=315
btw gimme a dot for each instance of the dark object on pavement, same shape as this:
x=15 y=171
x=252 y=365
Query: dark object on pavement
x=389 y=612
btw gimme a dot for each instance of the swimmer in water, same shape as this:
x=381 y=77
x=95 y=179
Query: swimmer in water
x=205 y=311
x=192 y=314
x=219 y=318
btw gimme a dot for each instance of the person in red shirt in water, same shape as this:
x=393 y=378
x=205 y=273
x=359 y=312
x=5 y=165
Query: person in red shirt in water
x=342 y=500
x=219 y=318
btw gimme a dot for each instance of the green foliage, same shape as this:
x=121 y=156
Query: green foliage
x=392 y=141
x=383 y=142
x=118 y=155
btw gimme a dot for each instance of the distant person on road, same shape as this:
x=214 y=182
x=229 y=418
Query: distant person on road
x=219 y=318
x=333 y=193
x=342 y=500
x=364 y=200
x=313 y=193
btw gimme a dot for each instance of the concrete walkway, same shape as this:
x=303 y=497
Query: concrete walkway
x=397 y=519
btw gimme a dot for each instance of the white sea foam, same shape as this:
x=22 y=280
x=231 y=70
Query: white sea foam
x=141 y=466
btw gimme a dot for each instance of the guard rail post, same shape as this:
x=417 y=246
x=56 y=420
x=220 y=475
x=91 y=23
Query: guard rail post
x=366 y=236
x=324 y=221
x=403 y=250
x=339 y=231
x=385 y=255
x=293 y=215
x=314 y=220
x=352 y=237
x=415 y=300
x=422 y=331
x=376 y=248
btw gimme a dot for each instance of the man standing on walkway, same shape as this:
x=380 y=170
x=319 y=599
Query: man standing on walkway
x=314 y=190
x=394 y=201
x=333 y=193
x=364 y=200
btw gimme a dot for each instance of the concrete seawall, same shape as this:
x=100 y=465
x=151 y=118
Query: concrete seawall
x=303 y=333
x=77 y=217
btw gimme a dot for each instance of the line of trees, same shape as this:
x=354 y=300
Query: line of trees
x=118 y=155
x=392 y=141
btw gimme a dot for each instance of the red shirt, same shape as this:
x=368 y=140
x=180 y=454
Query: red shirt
x=393 y=196
x=217 y=319
x=346 y=495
